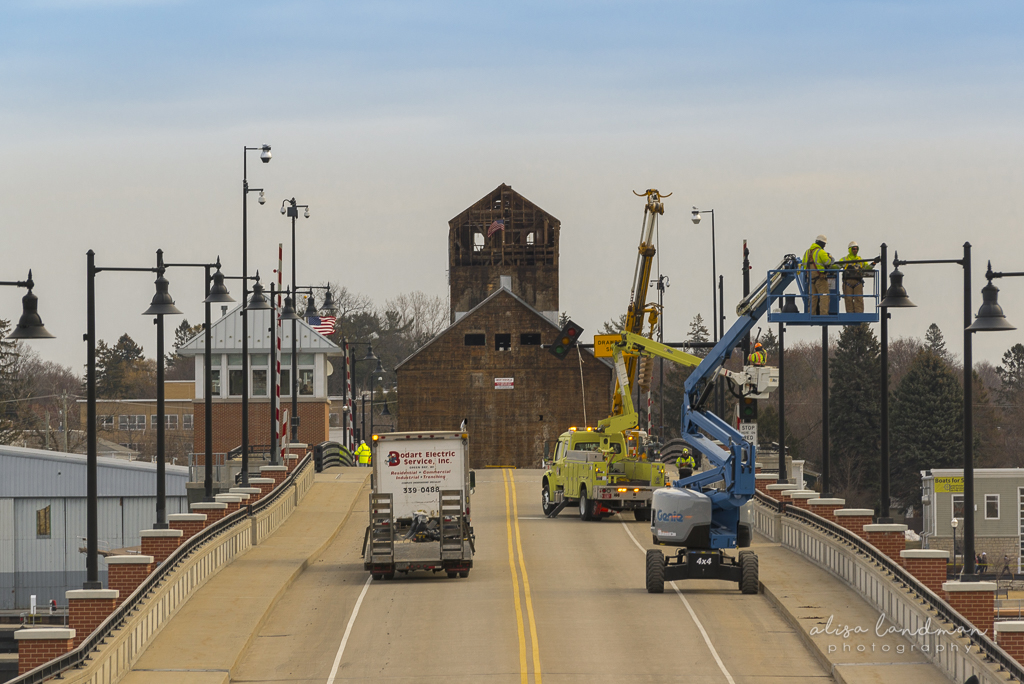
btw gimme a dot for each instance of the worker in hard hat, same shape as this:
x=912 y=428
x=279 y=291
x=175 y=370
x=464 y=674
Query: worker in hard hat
x=854 y=268
x=685 y=463
x=816 y=263
x=758 y=357
x=363 y=453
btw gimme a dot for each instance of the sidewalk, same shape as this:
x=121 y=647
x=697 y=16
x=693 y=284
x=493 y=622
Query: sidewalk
x=204 y=641
x=845 y=642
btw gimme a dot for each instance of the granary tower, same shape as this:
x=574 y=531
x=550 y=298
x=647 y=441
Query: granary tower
x=503 y=237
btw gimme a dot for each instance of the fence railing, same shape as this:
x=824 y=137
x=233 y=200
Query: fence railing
x=906 y=602
x=331 y=454
x=129 y=630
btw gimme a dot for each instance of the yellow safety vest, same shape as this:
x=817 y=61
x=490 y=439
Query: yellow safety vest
x=816 y=258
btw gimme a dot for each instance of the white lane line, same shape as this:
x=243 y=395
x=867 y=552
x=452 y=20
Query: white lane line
x=348 y=630
x=689 y=609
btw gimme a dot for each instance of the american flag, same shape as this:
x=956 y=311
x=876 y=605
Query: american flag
x=322 y=324
x=495 y=227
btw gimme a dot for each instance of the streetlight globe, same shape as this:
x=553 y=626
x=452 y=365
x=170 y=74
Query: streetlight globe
x=306 y=213
x=265 y=154
x=283 y=209
x=262 y=200
x=695 y=215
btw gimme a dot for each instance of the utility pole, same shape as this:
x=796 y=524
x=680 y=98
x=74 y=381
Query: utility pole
x=64 y=419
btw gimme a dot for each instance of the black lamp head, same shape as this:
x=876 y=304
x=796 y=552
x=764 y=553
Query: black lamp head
x=789 y=305
x=370 y=356
x=329 y=307
x=258 y=301
x=990 y=316
x=896 y=295
x=310 y=307
x=385 y=412
x=218 y=290
x=163 y=303
x=30 y=326
x=288 y=310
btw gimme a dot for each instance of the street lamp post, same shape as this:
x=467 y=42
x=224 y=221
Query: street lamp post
x=378 y=374
x=370 y=356
x=265 y=158
x=216 y=292
x=717 y=326
x=291 y=209
x=896 y=295
x=161 y=305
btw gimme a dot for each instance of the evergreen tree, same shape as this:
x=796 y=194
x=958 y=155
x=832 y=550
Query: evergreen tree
x=770 y=343
x=614 y=326
x=1011 y=375
x=927 y=424
x=854 y=410
x=698 y=333
x=178 y=367
x=122 y=372
x=11 y=385
x=935 y=342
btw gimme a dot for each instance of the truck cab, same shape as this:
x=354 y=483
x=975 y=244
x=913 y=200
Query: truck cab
x=601 y=472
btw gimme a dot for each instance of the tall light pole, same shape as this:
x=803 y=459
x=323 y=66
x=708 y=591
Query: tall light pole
x=370 y=356
x=265 y=158
x=291 y=210
x=695 y=216
x=378 y=374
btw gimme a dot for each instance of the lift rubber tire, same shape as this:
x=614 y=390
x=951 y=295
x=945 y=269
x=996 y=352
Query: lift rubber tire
x=655 y=571
x=586 y=506
x=463 y=574
x=545 y=499
x=642 y=514
x=748 y=572
x=452 y=574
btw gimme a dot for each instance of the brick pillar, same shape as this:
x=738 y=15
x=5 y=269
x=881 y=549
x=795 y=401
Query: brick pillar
x=254 y=493
x=928 y=566
x=189 y=523
x=126 y=573
x=41 y=645
x=854 y=519
x=762 y=480
x=265 y=484
x=160 y=543
x=87 y=608
x=826 y=508
x=214 y=511
x=975 y=601
x=800 y=497
x=279 y=473
x=887 y=538
x=234 y=501
x=1009 y=636
x=775 y=490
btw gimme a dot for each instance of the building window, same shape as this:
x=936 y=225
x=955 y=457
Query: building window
x=43 y=523
x=958 y=505
x=478 y=242
x=235 y=378
x=170 y=422
x=105 y=422
x=186 y=422
x=305 y=382
x=335 y=419
x=215 y=381
x=259 y=382
x=529 y=339
x=529 y=238
x=502 y=342
x=131 y=423
x=476 y=340
x=286 y=381
x=991 y=507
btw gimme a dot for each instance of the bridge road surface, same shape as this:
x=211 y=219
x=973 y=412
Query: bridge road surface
x=562 y=593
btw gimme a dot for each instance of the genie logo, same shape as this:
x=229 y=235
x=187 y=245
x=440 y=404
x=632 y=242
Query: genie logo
x=670 y=517
x=393 y=459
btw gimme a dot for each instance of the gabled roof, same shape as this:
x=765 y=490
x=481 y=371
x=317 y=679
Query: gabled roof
x=227 y=336
x=469 y=314
x=492 y=200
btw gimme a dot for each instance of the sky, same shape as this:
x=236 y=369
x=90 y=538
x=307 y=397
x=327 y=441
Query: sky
x=124 y=123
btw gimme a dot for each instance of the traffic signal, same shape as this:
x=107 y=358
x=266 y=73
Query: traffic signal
x=748 y=409
x=567 y=337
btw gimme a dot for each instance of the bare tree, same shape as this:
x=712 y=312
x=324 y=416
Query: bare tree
x=428 y=315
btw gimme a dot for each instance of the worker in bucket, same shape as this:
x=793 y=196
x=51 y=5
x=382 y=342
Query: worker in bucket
x=758 y=357
x=685 y=463
x=816 y=263
x=363 y=453
x=853 y=278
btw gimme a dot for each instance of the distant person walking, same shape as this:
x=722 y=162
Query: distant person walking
x=853 y=278
x=817 y=262
x=363 y=453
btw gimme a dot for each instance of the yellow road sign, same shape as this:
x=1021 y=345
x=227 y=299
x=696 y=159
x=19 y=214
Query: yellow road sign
x=603 y=344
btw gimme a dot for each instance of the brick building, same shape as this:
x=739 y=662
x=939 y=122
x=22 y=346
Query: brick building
x=132 y=423
x=314 y=366
x=489 y=365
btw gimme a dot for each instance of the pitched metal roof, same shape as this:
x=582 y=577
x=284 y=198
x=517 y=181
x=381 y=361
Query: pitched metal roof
x=227 y=336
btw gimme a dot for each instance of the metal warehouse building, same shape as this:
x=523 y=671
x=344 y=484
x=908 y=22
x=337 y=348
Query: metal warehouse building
x=43 y=518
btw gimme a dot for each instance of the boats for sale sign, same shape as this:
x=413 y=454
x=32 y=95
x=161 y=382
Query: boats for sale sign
x=415 y=472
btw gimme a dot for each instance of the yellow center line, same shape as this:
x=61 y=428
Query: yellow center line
x=526 y=585
x=523 y=669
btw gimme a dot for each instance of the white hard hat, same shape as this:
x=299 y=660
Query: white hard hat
x=852 y=245
x=822 y=238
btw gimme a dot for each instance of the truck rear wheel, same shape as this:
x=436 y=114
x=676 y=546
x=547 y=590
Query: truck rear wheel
x=452 y=574
x=545 y=499
x=463 y=574
x=655 y=571
x=586 y=507
x=748 y=572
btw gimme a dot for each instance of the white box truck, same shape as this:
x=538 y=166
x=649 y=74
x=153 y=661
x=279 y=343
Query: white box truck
x=419 y=505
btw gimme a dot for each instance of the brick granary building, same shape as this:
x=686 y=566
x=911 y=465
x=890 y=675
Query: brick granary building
x=489 y=366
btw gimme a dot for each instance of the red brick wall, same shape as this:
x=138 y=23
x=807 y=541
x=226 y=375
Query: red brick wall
x=34 y=652
x=188 y=527
x=212 y=514
x=159 y=547
x=85 y=615
x=799 y=503
x=826 y=511
x=278 y=476
x=314 y=424
x=126 y=577
x=930 y=571
x=1012 y=643
x=854 y=523
x=762 y=485
x=889 y=543
x=977 y=606
x=264 y=487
